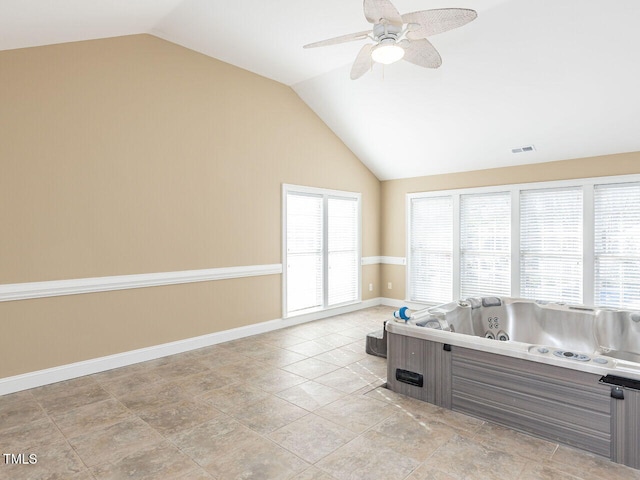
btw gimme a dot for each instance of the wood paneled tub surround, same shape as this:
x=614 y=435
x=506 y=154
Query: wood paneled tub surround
x=566 y=373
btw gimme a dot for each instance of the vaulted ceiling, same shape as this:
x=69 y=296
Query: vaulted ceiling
x=560 y=75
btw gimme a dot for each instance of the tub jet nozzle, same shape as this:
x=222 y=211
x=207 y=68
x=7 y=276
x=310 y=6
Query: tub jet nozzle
x=502 y=336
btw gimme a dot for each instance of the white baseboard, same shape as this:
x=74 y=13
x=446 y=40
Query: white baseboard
x=96 y=365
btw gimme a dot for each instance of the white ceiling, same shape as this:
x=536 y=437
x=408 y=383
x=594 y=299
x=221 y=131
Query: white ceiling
x=561 y=75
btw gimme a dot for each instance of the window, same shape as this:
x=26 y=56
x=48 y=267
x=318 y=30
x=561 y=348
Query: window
x=431 y=249
x=342 y=250
x=572 y=241
x=617 y=245
x=321 y=248
x=551 y=244
x=485 y=244
x=304 y=251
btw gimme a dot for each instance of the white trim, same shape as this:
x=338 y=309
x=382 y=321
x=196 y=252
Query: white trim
x=325 y=254
x=384 y=260
x=576 y=182
x=286 y=187
x=54 y=288
x=370 y=260
x=588 y=245
x=283 y=241
x=318 y=314
x=359 y=245
x=515 y=243
x=456 y=283
x=393 y=260
x=407 y=243
x=97 y=365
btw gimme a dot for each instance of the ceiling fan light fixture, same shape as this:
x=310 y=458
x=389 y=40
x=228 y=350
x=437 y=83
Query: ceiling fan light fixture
x=387 y=53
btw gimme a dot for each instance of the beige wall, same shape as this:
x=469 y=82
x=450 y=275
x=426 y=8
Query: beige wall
x=393 y=208
x=134 y=155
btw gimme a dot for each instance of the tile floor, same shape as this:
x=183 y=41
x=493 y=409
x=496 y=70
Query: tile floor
x=303 y=403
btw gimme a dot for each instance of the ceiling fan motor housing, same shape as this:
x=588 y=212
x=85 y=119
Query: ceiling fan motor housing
x=386 y=33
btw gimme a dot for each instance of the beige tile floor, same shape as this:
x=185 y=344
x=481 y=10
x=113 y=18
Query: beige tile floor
x=302 y=403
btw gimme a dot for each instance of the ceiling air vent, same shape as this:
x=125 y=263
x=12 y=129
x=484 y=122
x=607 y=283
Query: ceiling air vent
x=528 y=148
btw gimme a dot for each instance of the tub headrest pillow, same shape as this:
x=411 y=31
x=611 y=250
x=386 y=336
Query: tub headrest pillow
x=491 y=302
x=474 y=302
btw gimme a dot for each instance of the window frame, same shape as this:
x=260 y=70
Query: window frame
x=588 y=240
x=325 y=194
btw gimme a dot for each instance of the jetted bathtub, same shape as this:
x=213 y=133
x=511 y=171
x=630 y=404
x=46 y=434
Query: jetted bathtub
x=568 y=373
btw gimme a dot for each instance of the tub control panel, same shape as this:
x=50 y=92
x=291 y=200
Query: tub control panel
x=573 y=356
x=494 y=322
x=567 y=355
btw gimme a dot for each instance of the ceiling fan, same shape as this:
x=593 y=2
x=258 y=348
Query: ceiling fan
x=400 y=37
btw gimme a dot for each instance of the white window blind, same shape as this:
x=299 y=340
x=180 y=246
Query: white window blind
x=342 y=221
x=431 y=245
x=304 y=251
x=321 y=232
x=485 y=244
x=551 y=244
x=617 y=245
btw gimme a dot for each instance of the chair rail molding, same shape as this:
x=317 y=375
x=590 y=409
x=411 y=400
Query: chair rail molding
x=385 y=260
x=54 y=288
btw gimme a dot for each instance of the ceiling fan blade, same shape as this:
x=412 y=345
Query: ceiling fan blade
x=363 y=62
x=421 y=52
x=341 y=39
x=432 y=22
x=377 y=10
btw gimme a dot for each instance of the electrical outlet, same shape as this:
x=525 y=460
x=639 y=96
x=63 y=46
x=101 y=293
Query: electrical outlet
x=389 y=286
x=371 y=287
